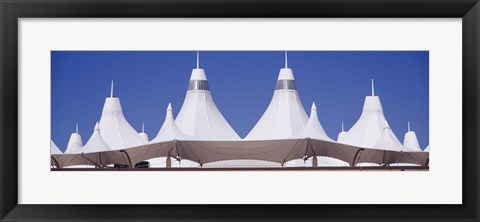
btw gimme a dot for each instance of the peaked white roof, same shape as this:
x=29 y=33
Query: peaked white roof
x=341 y=134
x=169 y=130
x=115 y=129
x=143 y=134
x=285 y=115
x=427 y=149
x=369 y=128
x=410 y=140
x=313 y=129
x=75 y=142
x=199 y=117
x=54 y=148
x=389 y=141
x=95 y=143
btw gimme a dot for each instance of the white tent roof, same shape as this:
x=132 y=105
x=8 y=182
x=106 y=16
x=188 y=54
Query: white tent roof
x=410 y=140
x=169 y=130
x=199 y=117
x=313 y=129
x=115 y=129
x=54 y=148
x=389 y=141
x=95 y=143
x=427 y=149
x=143 y=134
x=369 y=128
x=342 y=134
x=285 y=116
x=75 y=142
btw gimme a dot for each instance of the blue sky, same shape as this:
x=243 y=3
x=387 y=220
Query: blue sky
x=242 y=84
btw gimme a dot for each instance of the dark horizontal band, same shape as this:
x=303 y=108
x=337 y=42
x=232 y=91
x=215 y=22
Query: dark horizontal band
x=198 y=85
x=286 y=84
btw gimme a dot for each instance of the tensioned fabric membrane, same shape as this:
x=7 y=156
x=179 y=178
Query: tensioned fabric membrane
x=201 y=134
x=279 y=151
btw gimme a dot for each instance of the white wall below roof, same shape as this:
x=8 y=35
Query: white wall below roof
x=241 y=163
x=37 y=37
x=161 y=162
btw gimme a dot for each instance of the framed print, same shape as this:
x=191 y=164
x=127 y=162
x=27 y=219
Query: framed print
x=229 y=110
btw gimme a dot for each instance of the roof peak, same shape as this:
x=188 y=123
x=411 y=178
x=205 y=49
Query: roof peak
x=373 y=88
x=198 y=74
x=169 y=107
x=198 y=59
x=286 y=74
x=313 y=106
x=111 y=90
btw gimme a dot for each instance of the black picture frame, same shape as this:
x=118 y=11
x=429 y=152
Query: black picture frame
x=11 y=11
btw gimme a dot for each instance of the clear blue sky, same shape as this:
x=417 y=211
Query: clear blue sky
x=242 y=84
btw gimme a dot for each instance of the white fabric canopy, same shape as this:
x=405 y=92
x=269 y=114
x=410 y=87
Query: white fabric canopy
x=410 y=140
x=368 y=130
x=95 y=143
x=389 y=141
x=313 y=129
x=144 y=135
x=278 y=151
x=54 y=148
x=74 y=143
x=115 y=129
x=285 y=115
x=199 y=117
x=169 y=130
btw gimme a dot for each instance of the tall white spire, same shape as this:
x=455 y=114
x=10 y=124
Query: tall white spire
x=342 y=133
x=75 y=142
x=199 y=117
x=198 y=59
x=285 y=116
x=169 y=130
x=373 y=88
x=313 y=129
x=410 y=140
x=117 y=133
x=369 y=128
x=143 y=134
x=111 y=90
